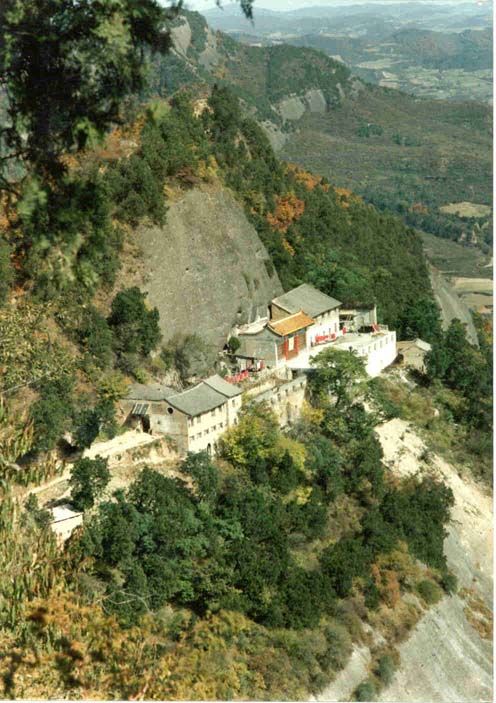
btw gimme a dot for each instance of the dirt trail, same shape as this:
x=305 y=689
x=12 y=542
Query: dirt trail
x=451 y=304
x=445 y=658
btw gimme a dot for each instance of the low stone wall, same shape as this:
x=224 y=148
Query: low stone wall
x=286 y=399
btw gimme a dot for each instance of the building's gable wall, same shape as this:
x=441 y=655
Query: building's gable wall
x=163 y=419
x=258 y=347
x=290 y=346
x=415 y=357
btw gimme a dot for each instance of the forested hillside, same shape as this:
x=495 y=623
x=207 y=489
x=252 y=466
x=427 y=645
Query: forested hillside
x=253 y=575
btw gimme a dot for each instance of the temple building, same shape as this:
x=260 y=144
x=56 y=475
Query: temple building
x=194 y=419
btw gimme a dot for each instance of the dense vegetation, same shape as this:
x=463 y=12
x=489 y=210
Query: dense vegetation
x=269 y=552
x=468 y=373
x=244 y=577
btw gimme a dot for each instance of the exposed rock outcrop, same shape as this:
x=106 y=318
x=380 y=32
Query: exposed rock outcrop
x=206 y=267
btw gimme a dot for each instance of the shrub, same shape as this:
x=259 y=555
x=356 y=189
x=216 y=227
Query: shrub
x=41 y=518
x=88 y=479
x=429 y=591
x=96 y=338
x=385 y=669
x=52 y=412
x=449 y=582
x=338 y=647
x=365 y=691
x=90 y=422
x=233 y=345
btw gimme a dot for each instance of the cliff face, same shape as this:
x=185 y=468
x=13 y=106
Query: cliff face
x=206 y=267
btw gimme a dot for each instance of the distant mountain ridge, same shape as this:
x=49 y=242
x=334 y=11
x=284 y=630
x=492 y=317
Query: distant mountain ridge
x=409 y=155
x=262 y=77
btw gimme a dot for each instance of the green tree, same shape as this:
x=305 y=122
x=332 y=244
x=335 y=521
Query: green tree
x=91 y=421
x=89 y=477
x=326 y=465
x=335 y=373
x=65 y=68
x=422 y=319
x=52 y=413
x=135 y=327
x=204 y=474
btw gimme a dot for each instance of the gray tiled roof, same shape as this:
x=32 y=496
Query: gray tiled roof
x=219 y=384
x=197 y=400
x=207 y=395
x=153 y=391
x=307 y=298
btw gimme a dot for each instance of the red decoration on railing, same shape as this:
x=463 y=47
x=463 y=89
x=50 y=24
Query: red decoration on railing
x=237 y=378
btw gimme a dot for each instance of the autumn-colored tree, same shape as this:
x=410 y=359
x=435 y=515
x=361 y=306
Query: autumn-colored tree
x=288 y=209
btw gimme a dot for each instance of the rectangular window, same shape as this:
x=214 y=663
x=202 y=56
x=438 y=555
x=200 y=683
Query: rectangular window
x=291 y=344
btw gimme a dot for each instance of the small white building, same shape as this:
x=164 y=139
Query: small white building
x=412 y=353
x=194 y=418
x=378 y=350
x=64 y=521
x=323 y=310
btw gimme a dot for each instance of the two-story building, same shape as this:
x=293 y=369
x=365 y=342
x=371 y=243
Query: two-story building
x=194 y=418
x=323 y=310
x=272 y=343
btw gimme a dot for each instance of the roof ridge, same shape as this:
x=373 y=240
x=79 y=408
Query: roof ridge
x=188 y=390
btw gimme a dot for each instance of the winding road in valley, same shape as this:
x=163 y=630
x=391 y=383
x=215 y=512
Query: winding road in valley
x=451 y=304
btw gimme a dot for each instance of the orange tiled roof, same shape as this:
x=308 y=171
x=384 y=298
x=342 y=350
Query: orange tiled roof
x=291 y=324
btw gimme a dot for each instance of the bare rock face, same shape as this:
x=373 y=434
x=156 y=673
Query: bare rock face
x=181 y=37
x=206 y=268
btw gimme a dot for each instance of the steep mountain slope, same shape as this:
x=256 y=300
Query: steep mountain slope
x=412 y=156
x=262 y=77
x=434 y=668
